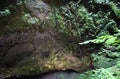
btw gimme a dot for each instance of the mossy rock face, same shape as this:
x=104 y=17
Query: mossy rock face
x=48 y=53
x=64 y=61
x=36 y=52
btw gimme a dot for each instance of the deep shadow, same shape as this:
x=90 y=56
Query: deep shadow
x=56 y=74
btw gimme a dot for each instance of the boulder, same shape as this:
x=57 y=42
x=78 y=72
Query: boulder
x=17 y=53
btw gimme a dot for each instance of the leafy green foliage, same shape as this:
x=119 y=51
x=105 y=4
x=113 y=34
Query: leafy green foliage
x=74 y=20
x=107 y=39
x=101 y=61
x=115 y=9
x=107 y=55
x=100 y=1
x=98 y=74
x=29 y=19
x=5 y=12
x=6 y=5
x=102 y=73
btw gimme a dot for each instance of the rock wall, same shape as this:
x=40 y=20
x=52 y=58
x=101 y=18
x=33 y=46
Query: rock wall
x=26 y=50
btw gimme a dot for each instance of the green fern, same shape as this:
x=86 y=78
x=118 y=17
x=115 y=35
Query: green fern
x=107 y=39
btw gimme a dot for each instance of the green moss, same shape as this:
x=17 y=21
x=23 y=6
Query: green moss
x=54 y=60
